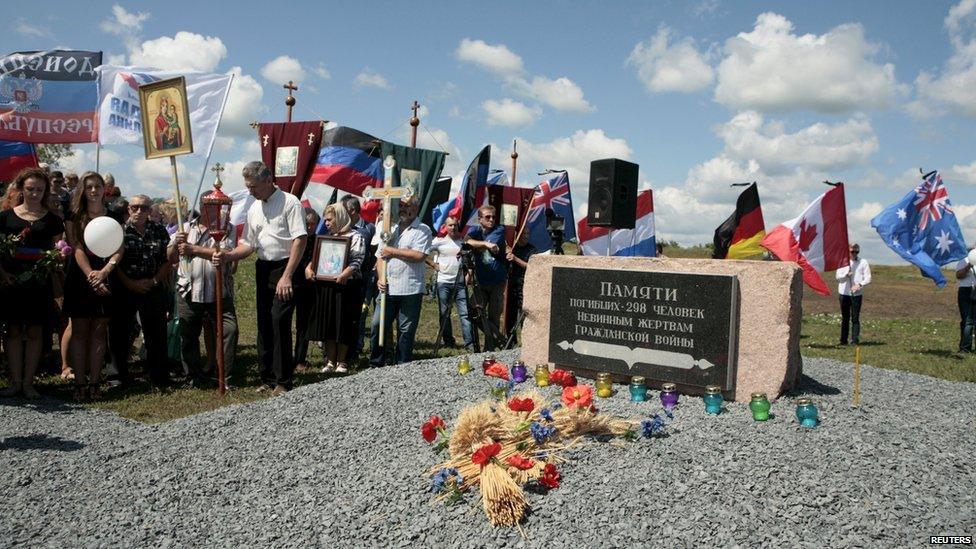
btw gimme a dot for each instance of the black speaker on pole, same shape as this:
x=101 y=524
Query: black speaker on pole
x=613 y=194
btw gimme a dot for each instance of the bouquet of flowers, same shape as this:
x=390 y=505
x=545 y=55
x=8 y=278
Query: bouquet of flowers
x=45 y=261
x=501 y=446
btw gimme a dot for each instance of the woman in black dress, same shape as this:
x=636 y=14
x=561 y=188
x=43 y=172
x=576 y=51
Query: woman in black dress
x=336 y=310
x=87 y=290
x=26 y=292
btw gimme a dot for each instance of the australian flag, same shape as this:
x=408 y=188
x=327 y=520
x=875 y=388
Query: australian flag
x=552 y=194
x=923 y=229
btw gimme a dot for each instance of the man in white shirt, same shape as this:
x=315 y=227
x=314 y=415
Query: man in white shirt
x=966 y=278
x=450 y=289
x=275 y=230
x=405 y=255
x=851 y=281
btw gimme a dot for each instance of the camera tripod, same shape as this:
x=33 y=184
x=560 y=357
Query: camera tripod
x=477 y=315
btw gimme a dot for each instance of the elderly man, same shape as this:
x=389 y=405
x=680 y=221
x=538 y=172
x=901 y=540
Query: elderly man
x=491 y=270
x=142 y=271
x=196 y=300
x=405 y=256
x=275 y=230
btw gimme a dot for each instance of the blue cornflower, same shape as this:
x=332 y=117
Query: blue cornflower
x=546 y=414
x=442 y=479
x=668 y=413
x=556 y=406
x=541 y=432
x=651 y=427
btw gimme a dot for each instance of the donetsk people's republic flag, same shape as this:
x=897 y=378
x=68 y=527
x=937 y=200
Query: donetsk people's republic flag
x=739 y=235
x=49 y=96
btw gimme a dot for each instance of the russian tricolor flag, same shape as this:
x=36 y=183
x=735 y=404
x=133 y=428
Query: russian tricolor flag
x=639 y=241
x=15 y=156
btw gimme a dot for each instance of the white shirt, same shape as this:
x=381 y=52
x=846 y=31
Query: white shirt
x=861 y=276
x=197 y=282
x=407 y=277
x=273 y=224
x=448 y=263
x=970 y=279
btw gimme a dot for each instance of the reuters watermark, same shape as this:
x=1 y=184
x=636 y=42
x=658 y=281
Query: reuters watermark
x=950 y=540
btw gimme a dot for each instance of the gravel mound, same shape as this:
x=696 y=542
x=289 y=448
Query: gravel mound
x=341 y=463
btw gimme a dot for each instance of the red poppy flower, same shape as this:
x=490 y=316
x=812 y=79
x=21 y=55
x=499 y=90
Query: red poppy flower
x=520 y=462
x=579 y=396
x=429 y=429
x=485 y=453
x=521 y=404
x=497 y=369
x=550 y=476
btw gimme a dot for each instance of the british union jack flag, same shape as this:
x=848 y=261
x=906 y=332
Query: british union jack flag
x=553 y=193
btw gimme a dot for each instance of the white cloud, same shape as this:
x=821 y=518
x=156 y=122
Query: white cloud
x=827 y=147
x=509 y=113
x=82 y=160
x=437 y=139
x=675 y=67
x=322 y=71
x=225 y=144
x=115 y=59
x=25 y=28
x=185 y=50
x=773 y=69
x=962 y=174
x=369 y=77
x=561 y=94
x=495 y=58
x=154 y=178
x=243 y=105
x=283 y=68
x=955 y=87
x=122 y=22
x=704 y=7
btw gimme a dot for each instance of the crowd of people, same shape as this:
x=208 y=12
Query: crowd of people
x=96 y=307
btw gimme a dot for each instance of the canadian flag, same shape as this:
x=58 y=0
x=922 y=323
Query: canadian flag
x=816 y=240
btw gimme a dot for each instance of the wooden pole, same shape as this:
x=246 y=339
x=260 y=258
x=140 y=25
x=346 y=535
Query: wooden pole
x=514 y=160
x=98 y=157
x=219 y=321
x=179 y=197
x=290 y=100
x=857 y=377
x=414 y=122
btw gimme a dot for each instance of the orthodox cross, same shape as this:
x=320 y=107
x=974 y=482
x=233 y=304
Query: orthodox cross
x=414 y=122
x=387 y=193
x=514 y=160
x=217 y=168
x=290 y=100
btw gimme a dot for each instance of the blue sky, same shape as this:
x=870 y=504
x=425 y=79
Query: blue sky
x=700 y=94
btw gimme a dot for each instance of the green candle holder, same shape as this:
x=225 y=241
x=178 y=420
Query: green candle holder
x=759 y=405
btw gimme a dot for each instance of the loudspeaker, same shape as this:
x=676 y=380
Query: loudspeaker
x=613 y=194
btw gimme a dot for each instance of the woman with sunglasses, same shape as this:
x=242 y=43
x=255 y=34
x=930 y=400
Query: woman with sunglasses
x=26 y=293
x=87 y=290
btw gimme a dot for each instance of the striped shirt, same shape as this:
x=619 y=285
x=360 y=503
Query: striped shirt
x=196 y=281
x=407 y=277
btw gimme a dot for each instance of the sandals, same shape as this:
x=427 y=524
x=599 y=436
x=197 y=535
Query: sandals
x=341 y=368
x=329 y=367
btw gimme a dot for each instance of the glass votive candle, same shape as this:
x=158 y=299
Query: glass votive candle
x=669 y=395
x=759 y=405
x=638 y=389
x=806 y=412
x=488 y=361
x=542 y=375
x=713 y=399
x=464 y=365
x=604 y=387
x=519 y=372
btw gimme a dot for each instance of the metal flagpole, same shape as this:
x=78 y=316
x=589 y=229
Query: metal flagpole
x=98 y=157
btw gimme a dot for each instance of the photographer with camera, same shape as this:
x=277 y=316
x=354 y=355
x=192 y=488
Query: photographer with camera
x=491 y=270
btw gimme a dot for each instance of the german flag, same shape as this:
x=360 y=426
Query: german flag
x=739 y=236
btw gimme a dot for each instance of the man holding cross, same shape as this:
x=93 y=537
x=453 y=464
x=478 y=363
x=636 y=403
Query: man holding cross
x=275 y=229
x=404 y=255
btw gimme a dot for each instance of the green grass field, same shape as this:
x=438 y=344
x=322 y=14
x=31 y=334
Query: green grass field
x=907 y=324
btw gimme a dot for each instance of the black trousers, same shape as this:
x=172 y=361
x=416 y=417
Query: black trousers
x=151 y=307
x=274 y=325
x=196 y=317
x=967 y=318
x=304 y=296
x=850 y=318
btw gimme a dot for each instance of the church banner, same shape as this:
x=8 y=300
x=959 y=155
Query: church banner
x=49 y=96
x=290 y=150
x=418 y=169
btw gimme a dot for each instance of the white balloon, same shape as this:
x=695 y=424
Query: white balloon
x=103 y=236
x=972 y=257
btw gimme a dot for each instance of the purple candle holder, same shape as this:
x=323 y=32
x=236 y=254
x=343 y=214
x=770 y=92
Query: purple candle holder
x=519 y=372
x=669 y=396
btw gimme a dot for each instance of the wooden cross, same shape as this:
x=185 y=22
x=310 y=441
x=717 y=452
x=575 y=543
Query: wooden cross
x=387 y=193
x=290 y=100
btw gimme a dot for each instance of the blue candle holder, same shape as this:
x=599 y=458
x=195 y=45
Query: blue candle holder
x=638 y=389
x=713 y=399
x=806 y=413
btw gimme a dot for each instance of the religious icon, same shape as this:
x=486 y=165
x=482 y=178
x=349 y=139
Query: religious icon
x=411 y=179
x=286 y=161
x=330 y=257
x=165 y=118
x=509 y=215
